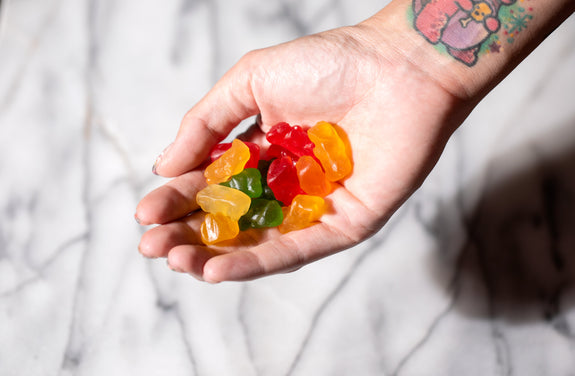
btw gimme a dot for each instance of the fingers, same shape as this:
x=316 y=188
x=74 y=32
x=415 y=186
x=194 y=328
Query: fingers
x=173 y=200
x=180 y=243
x=228 y=103
x=158 y=241
x=284 y=254
x=189 y=259
x=257 y=253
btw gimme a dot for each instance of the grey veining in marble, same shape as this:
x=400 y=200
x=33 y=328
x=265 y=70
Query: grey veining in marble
x=473 y=276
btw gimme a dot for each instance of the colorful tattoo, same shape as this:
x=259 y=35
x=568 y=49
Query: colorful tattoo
x=468 y=29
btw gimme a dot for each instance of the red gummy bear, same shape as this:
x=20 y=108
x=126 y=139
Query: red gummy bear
x=220 y=149
x=277 y=151
x=294 y=139
x=283 y=180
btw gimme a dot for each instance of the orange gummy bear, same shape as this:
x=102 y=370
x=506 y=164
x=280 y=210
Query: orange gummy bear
x=303 y=211
x=330 y=150
x=217 y=228
x=231 y=162
x=311 y=177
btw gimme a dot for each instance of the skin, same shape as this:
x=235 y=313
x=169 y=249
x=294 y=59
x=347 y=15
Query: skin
x=369 y=79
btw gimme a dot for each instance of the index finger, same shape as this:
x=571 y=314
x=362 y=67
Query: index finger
x=229 y=102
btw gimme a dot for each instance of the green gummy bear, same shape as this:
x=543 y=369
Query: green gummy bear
x=262 y=213
x=268 y=194
x=248 y=181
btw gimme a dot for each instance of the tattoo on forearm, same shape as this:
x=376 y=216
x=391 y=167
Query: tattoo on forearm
x=469 y=29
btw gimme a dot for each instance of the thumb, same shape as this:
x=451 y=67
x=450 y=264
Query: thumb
x=228 y=103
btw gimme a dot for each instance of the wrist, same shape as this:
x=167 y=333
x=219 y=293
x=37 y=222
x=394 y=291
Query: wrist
x=392 y=36
x=465 y=54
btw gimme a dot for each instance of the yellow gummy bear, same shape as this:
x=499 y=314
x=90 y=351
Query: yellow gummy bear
x=231 y=162
x=219 y=199
x=217 y=228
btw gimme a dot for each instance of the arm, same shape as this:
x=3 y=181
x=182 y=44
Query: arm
x=397 y=97
x=523 y=25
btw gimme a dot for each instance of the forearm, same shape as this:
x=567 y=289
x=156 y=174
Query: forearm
x=467 y=53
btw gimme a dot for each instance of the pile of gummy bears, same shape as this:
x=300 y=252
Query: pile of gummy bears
x=299 y=170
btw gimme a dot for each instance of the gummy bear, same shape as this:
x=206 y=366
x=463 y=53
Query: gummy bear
x=262 y=213
x=277 y=151
x=248 y=181
x=263 y=167
x=217 y=228
x=330 y=150
x=230 y=163
x=311 y=177
x=282 y=179
x=303 y=211
x=294 y=139
x=228 y=201
x=219 y=149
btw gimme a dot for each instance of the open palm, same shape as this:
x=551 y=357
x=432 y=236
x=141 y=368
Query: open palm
x=396 y=117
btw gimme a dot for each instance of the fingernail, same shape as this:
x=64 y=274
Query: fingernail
x=137 y=219
x=158 y=160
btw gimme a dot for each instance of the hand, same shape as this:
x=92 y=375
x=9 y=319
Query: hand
x=397 y=119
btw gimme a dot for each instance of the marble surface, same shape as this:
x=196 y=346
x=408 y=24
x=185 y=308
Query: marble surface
x=473 y=276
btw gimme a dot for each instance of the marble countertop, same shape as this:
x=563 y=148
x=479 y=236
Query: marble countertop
x=472 y=276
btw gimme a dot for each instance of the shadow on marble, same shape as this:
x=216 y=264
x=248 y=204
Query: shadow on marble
x=518 y=262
